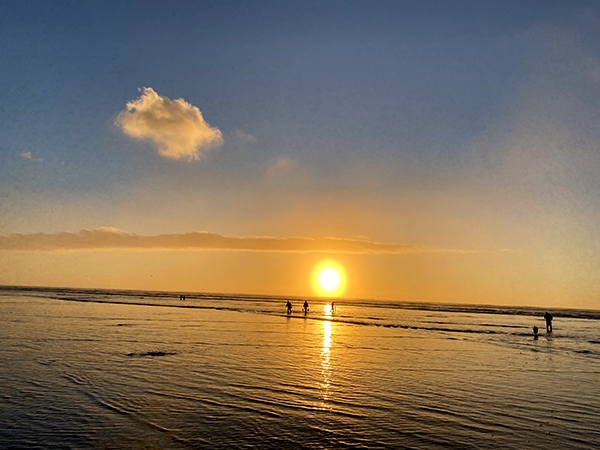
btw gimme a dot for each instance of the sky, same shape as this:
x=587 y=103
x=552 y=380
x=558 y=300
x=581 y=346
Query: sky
x=437 y=151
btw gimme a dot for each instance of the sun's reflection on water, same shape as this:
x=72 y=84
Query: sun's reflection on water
x=326 y=358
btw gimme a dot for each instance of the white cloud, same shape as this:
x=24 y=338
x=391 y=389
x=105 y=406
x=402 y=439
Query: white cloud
x=281 y=167
x=176 y=127
x=242 y=138
x=29 y=157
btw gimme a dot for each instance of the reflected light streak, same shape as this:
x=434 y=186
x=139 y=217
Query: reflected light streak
x=325 y=362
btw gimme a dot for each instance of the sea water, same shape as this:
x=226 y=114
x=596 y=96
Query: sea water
x=135 y=369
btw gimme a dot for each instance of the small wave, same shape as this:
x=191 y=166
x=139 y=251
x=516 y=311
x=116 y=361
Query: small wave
x=121 y=409
x=46 y=363
x=220 y=404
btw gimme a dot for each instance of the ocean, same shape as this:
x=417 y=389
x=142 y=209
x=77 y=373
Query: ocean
x=87 y=369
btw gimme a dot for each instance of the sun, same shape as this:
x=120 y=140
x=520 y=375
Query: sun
x=329 y=279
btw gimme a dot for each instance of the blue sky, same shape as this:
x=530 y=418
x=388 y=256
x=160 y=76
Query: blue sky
x=463 y=125
x=427 y=74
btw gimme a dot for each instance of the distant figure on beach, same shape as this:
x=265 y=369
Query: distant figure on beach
x=548 y=318
x=332 y=306
x=305 y=307
x=288 y=305
x=535 y=332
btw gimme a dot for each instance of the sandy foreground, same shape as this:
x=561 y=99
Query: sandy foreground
x=109 y=375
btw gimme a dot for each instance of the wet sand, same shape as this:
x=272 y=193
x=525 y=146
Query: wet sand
x=105 y=375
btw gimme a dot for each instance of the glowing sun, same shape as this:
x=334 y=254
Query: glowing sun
x=329 y=279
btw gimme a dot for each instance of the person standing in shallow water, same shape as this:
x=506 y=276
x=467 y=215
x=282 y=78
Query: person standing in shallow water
x=305 y=307
x=548 y=318
x=288 y=305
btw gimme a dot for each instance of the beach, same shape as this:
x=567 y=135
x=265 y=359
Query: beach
x=132 y=369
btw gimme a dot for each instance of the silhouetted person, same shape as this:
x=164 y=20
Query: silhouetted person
x=548 y=318
x=535 y=332
x=332 y=307
x=288 y=305
x=305 y=307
